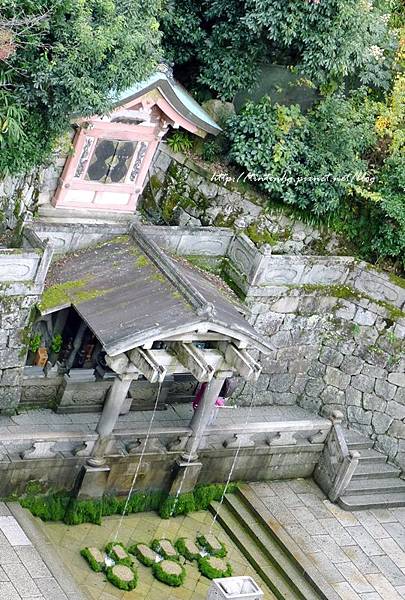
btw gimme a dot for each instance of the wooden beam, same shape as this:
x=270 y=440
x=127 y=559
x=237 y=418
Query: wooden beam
x=194 y=360
x=241 y=361
x=147 y=365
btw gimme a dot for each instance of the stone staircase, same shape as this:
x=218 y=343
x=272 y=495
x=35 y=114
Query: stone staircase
x=270 y=550
x=376 y=483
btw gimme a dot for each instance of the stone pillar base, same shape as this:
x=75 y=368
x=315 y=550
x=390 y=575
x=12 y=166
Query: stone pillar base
x=91 y=482
x=186 y=476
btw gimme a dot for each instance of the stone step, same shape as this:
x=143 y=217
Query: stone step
x=379 y=470
x=281 y=588
x=367 y=501
x=372 y=456
x=359 y=487
x=285 y=542
x=357 y=441
x=285 y=563
x=49 y=214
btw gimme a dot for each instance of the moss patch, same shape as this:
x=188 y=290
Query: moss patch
x=212 y=545
x=169 y=572
x=122 y=576
x=144 y=554
x=63 y=293
x=165 y=548
x=214 y=567
x=94 y=557
x=187 y=548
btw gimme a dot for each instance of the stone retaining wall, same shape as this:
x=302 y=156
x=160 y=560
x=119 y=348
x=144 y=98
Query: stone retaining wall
x=334 y=353
x=189 y=195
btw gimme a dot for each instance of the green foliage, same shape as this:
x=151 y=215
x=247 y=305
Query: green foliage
x=70 y=57
x=182 y=548
x=119 y=583
x=161 y=572
x=56 y=343
x=329 y=163
x=48 y=508
x=222 y=43
x=111 y=552
x=179 y=141
x=93 y=563
x=172 y=506
x=219 y=550
x=35 y=342
x=211 y=151
x=157 y=547
x=211 y=567
x=137 y=552
x=83 y=511
x=61 y=507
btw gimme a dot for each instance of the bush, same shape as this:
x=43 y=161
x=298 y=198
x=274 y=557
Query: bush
x=170 y=572
x=75 y=53
x=212 y=545
x=187 y=548
x=61 y=507
x=48 y=508
x=165 y=548
x=214 y=567
x=95 y=564
x=143 y=553
x=120 y=576
x=332 y=165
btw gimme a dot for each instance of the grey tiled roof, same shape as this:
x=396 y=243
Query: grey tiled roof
x=130 y=292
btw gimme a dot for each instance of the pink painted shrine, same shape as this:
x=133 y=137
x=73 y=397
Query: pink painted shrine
x=112 y=153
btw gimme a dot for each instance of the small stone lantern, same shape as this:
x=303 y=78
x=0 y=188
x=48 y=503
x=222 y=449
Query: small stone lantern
x=235 y=588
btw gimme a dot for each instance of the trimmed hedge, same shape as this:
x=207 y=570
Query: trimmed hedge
x=181 y=547
x=94 y=564
x=214 y=567
x=156 y=545
x=117 y=581
x=163 y=575
x=143 y=558
x=61 y=507
x=123 y=560
x=206 y=542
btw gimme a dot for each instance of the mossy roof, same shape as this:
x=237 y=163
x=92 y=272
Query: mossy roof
x=130 y=292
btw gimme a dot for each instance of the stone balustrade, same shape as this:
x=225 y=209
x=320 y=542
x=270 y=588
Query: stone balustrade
x=337 y=463
x=163 y=439
x=273 y=434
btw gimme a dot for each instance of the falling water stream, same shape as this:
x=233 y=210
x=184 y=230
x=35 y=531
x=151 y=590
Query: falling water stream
x=138 y=466
x=235 y=458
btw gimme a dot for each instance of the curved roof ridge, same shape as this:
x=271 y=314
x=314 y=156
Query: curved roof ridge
x=169 y=269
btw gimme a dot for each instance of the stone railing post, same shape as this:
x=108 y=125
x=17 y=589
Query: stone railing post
x=337 y=464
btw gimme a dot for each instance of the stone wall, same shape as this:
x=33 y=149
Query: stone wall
x=335 y=352
x=189 y=195
x=22 y=276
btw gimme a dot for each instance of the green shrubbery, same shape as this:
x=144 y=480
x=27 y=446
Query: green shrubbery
x=67 y=56
x=170 y=572
x=213 y=567
x=334 y=164
x=60 y=507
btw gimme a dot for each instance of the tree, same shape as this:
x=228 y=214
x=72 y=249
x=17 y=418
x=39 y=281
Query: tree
x=224 y=41
x=68 y=57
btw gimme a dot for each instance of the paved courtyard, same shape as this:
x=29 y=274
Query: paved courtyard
x=27 y=568
x=143 y=527
x=361 y=554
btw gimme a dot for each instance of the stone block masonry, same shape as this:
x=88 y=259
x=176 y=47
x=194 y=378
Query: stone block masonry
x=324 y=359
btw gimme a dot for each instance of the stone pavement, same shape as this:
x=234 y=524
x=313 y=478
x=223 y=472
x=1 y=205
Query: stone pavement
x=28 y=571
x=361 y=554
x=31 y=421
x=141 y=527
